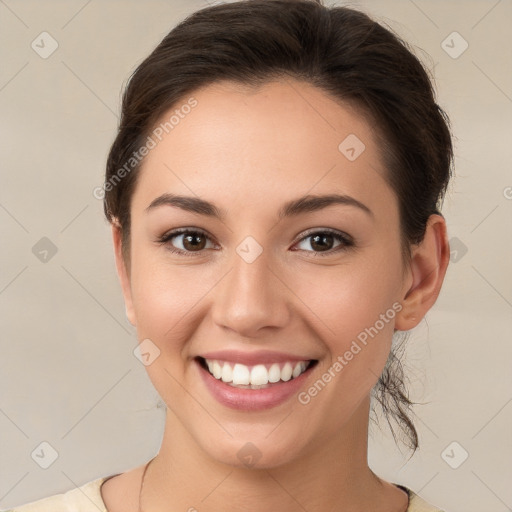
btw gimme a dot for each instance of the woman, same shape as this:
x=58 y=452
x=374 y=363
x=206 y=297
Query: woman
x=274 y=194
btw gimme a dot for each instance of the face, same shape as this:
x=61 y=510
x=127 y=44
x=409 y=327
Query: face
x=268 y=280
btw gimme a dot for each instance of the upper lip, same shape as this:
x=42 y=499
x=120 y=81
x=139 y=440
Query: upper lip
x=252 y=358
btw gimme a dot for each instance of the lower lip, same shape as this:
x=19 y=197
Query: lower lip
x=252 y=399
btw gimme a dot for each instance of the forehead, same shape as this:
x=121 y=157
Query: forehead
x=283 y=137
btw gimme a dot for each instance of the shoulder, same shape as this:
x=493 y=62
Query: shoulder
x=418 y=504
x=86 y=498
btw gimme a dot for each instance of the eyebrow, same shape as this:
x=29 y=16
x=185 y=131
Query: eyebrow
x=304 y=204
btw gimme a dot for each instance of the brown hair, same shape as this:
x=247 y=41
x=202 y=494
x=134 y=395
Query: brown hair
x=340 y=50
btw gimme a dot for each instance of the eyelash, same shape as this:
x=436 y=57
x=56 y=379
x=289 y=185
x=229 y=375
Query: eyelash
x=346 y=242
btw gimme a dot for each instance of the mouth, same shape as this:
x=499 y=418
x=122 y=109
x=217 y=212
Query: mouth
x=256 y=376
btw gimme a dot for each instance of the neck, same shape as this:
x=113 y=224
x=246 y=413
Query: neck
x=327 y=473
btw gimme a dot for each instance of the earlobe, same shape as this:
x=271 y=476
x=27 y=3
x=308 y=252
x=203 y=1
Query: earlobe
x=428 y=265
x=122 y=272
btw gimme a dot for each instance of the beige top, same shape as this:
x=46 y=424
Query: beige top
x=87 y=498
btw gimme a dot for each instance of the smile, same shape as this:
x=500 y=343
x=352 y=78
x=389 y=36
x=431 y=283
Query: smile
x=256 y=376
x=253 y=380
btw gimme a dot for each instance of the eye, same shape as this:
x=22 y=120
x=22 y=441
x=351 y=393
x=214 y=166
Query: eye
x=322 y=241
x=189 y=241
x=192 y=241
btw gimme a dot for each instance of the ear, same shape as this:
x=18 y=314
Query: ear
x=428 y=265
x=122 y=271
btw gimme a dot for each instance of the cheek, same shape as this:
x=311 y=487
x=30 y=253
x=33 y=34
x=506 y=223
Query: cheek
x=162 y=312
x=164 y=300
x=353 y=309
x=356 y=307
x=350 y=297
x=164 y=296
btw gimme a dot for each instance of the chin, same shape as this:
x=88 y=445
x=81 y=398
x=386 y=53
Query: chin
x=253 y=452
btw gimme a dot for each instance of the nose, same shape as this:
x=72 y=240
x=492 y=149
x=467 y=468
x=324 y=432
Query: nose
x=251 y=297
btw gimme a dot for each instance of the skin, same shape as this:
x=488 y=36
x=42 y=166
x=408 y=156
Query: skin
x=249 y=151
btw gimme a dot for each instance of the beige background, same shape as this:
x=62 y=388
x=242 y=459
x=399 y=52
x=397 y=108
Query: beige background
x=67 y=372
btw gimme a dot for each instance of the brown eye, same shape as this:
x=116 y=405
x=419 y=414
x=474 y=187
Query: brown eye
x=325 y=241
x=185 y=241
x=194 y=242
x=322 y=242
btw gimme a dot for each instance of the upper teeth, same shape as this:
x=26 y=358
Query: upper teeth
x=240 y=374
